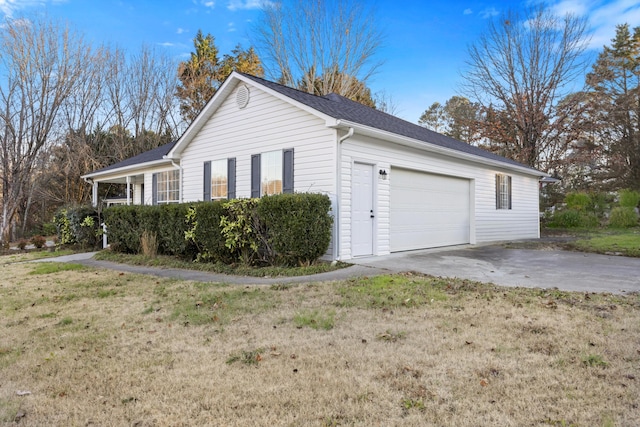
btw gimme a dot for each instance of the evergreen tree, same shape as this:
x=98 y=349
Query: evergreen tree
x=615 y=85
x=201 y=75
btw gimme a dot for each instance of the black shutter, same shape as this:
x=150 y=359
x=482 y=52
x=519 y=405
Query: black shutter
x=206 y=195
x=287 y=171
x=497 y=191
x=255 y=175
x=154 y=189
x=509 y=191
x=231 y=178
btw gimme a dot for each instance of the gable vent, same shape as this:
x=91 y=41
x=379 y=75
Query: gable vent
x=242 y=96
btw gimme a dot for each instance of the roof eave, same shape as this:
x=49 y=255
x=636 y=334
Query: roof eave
x=427 y=146
x=126 y=169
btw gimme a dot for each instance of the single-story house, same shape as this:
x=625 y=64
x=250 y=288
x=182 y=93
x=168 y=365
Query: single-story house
x=394 y=185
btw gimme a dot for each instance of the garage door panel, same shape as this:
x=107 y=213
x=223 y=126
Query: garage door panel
x=428 y=210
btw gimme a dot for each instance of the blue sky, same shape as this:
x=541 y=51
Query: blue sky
x=423 y=54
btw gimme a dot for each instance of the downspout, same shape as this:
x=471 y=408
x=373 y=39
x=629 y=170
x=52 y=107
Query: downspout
x=175 y=165
x=336 y=243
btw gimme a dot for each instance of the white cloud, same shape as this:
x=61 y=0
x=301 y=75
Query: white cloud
x=166 y=44
x=489 y=12
x=9 y=7
x=209 y=4
x=234 y=5
x=231 y=27
x=467 y=12
x=602 y=16
x=180 y=31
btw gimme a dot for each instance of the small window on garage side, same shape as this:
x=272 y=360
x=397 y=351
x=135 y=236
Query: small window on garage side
x=503 y=191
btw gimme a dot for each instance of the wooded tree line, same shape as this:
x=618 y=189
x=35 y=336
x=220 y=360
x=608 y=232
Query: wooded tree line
x=68 y=107
x=517 y=100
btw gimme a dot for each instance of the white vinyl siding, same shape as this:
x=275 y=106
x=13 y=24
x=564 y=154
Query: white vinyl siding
x=265 y=124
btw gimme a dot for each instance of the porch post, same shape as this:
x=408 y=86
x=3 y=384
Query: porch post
x=94 y=194
x=128 y=190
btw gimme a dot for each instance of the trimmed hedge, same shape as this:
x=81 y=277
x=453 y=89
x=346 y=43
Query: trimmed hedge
x=298 y=226
x=204 y=231
x=287 y=229
x=125 y=225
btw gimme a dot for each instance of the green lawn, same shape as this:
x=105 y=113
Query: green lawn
x=620 y=242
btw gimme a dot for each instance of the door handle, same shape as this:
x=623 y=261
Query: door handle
x=372 y=215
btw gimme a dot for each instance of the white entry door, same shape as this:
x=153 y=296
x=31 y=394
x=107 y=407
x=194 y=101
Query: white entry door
x=362 y=212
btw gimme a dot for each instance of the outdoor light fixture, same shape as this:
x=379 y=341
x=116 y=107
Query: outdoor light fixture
x=382 y=173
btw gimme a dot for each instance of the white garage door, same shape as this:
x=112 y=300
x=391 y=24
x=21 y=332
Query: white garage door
x=428 y=210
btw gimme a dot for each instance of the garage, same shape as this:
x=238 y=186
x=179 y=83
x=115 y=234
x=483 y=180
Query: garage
x=428 y=210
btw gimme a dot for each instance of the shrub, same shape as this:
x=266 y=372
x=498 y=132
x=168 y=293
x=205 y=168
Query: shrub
x=171 y=227
x=78 y=224
x=240 y=227
x=298 y=226
x=628 y=198
x=49 y=229
x=123 y=228
x=38 y=241
x=204 y=231
x=125 y=225
x=577 y=201
x=623 y=217
x=572 y=218
x=22 y=244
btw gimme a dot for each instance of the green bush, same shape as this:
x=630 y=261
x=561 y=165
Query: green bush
x=205 y=233
x=628 y=198
x=125 y=225
x=172 y=225
x=623 y=217
x=78 y=225
x=572 y=218
x=242 y=230
x=577 y=201
x=298 y=226
x=291 y=229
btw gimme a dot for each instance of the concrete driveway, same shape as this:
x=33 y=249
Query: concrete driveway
x=571 y=271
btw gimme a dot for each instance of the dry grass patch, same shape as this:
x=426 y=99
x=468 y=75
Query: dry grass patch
x=98 y=347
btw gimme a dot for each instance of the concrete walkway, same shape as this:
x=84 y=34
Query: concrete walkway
x=570 y=271
x=203 y=276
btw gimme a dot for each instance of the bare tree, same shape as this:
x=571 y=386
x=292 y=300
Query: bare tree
x=41 y=62
x=518 y=71
x=320 y=45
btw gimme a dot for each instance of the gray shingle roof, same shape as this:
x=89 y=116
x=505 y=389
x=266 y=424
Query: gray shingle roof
x=342 y=108
x=148 y=156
